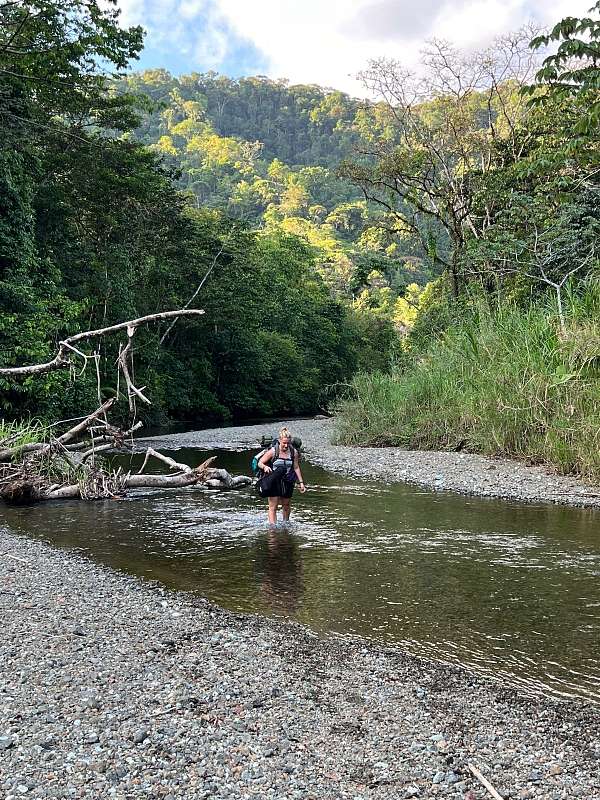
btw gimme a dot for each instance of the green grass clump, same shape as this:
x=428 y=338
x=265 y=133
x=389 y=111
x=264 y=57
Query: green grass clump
x=18 y=434
x=507 y=382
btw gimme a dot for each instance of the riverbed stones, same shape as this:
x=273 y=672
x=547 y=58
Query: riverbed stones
x=236 y=706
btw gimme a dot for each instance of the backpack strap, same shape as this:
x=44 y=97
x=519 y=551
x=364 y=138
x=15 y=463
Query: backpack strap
x=275 y=447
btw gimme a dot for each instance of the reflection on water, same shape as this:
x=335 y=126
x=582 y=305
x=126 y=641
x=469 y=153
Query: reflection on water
x=279 y=570
x=508 y=590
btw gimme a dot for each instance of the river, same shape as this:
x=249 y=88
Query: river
x=508 y=590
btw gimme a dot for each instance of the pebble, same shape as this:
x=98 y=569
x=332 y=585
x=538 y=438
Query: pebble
x=140 y=735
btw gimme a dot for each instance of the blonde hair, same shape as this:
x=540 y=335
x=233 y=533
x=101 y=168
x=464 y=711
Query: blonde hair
x=285 y=433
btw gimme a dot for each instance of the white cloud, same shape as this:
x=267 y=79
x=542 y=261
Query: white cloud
x=470 y=23
x=304 y=41
x=329 y=41
x=133 y=12
x=211 y=46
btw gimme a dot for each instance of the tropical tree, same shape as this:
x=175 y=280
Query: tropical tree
x=442 y=129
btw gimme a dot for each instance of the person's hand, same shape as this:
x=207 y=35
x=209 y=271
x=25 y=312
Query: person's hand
x=302 y=487
x=267 y=469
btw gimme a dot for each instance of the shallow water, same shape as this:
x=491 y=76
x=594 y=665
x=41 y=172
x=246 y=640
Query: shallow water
x=509 y=590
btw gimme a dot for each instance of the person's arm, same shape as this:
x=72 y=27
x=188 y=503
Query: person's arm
x=267 y=457
x=299 y=473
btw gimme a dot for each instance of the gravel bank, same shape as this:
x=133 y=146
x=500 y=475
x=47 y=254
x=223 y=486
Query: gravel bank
x=115 y=688
x=458 y=472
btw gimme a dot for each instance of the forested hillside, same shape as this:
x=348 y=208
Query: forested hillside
x=300 y=125
x=268 y=154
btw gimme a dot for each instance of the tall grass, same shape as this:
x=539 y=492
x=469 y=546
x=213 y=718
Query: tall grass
x=18 y=434
x=503 y=383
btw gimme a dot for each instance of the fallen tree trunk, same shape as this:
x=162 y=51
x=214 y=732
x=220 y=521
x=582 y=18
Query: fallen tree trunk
x=190 y=478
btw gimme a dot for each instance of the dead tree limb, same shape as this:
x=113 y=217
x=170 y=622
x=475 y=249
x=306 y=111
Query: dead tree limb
x=109 y=442
x=221 y=479
x=232 y=483
x=78 y=429
x=62 y=359
x=7 y=454
x=190 y=478
x=151 y=453
x=215 y=478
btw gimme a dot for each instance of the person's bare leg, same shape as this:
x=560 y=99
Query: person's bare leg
x=273 y=501
x=286 y=507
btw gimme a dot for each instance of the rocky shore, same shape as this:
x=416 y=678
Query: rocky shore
x=115 y=688
x=464 y=473
x=111 y=687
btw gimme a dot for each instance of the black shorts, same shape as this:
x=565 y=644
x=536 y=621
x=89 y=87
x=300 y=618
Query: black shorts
x=287 y=488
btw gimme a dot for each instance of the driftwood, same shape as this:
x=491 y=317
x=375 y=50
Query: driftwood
x=221 y=479
x=9 y=453
x=115 y=438
x=97 y=482
x=213 y=479
x=151 y=453
x=128 y=481
x=63 y=468
x=70 y=465
x=484 y=782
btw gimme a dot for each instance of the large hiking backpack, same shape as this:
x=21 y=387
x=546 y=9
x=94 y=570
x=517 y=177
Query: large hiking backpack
x=268 y=442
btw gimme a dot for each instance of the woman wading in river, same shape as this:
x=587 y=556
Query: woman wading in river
x=281 y=468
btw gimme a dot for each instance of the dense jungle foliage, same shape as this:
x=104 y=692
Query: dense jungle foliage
x=438 y=240
x=94 y=229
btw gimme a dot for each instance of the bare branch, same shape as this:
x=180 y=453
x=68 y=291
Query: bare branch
x=200 y=285
x=62 y=358
x=74 y=432
x=151 y=453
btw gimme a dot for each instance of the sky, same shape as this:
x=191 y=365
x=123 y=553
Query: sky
x=327 y=42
